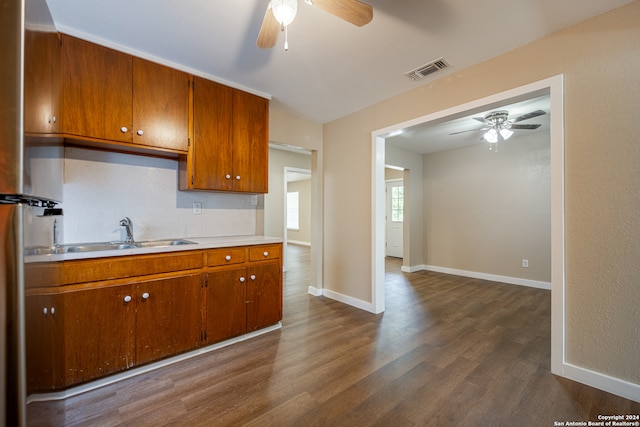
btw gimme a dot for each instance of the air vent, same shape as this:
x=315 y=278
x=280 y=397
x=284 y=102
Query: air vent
x=427 y=69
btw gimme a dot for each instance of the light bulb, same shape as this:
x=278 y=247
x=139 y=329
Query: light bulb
x=491 y=136
x=506 y=133
x=284 y=11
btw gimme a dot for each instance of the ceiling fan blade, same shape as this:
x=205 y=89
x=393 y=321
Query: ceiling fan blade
x=528 y=116
x=528 y=127
x=269 y=30
x=468 y=130
x=480 y=119
x=352 y=11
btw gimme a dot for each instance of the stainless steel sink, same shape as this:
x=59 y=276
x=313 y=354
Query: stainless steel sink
x=160 y=243
x=102 y=246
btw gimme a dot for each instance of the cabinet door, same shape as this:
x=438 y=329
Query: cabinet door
x=250 y=143
x=97 y=337
x=96 y=91
x=264 y=296
x=212 y=150
x=160 y=106
x=168 y=318
x=226 y=304
x=41 y=81
x=42 y=313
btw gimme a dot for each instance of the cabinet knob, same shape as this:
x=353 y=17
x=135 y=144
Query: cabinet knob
x=52 y=310
x=124 y=129
x=238 y=177
x=55 y=119
x=265 y=253
x=242 y=279
x=253 y=277
x=227 y=176
x=228 y=257
x=140 y=132
x=45 y=311
x=145 y=295
x=127 y=298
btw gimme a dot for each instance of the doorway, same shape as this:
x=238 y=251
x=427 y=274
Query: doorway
x=553 y=87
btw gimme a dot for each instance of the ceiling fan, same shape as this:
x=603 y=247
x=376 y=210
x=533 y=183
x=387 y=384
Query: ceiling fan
x=280 y=14
x=498 y=125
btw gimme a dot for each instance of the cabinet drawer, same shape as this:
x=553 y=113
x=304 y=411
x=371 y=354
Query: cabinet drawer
x=259 y=253
x=43 y=274
x=226 y=256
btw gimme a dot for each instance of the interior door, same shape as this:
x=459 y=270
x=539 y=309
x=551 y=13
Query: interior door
x=394 y=218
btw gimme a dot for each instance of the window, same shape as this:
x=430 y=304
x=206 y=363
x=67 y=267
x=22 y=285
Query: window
x=293 y=211
x=397 y=204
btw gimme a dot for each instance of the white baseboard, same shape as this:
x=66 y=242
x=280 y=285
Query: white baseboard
x=315 y=291
x=477 y=275
x=297 y=242
x=354 y=302
x=600 y=381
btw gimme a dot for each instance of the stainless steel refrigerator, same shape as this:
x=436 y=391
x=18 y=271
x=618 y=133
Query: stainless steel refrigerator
x=17 y=204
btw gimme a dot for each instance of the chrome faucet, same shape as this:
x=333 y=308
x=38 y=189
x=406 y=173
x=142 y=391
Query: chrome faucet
x=128 y=225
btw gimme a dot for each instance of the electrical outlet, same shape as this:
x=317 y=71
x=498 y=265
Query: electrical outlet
x=197 y=208
x=525 y=263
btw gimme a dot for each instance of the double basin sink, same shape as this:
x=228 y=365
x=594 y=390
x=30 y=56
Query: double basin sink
x=103 y=246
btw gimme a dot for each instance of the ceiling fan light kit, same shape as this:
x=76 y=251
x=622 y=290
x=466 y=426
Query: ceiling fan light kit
x=498 y=125
x=281 y=13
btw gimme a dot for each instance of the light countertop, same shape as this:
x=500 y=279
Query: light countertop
x=200 y=243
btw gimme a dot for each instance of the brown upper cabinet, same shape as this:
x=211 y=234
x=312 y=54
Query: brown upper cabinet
x=230 y=147
x=41 y=82
x=111 y=96
x=91 y=95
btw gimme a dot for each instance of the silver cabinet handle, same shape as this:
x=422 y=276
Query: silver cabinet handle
x=227 y=176
x=265 y=253
x=253 y=277
x=140 y=132
x=238 y=177
x=145 y=295
x=124 y=129
x=127 y=298
x=228 y=257
x=242 y=279
x=45 y=311
x=53 y=310
x=55 y=119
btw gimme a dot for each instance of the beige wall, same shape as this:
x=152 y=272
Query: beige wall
x=392 y=174
x=303 y=234
x=600 y=60
x=486 y=211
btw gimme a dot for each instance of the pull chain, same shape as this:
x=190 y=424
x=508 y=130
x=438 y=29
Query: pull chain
x=286 y=38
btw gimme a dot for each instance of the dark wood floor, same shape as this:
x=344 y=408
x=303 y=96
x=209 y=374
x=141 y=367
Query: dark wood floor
x=448 y=351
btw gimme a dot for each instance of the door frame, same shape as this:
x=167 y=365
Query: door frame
x=285 y=240
x=554 y=87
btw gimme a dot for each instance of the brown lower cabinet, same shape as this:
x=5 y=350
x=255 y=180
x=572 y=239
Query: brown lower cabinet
x=242 y=300
x=80 y=331
x=78 y=335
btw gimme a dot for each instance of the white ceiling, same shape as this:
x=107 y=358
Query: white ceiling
x=332 y=68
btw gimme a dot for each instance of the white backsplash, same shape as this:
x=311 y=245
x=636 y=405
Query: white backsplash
x=101 y=188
